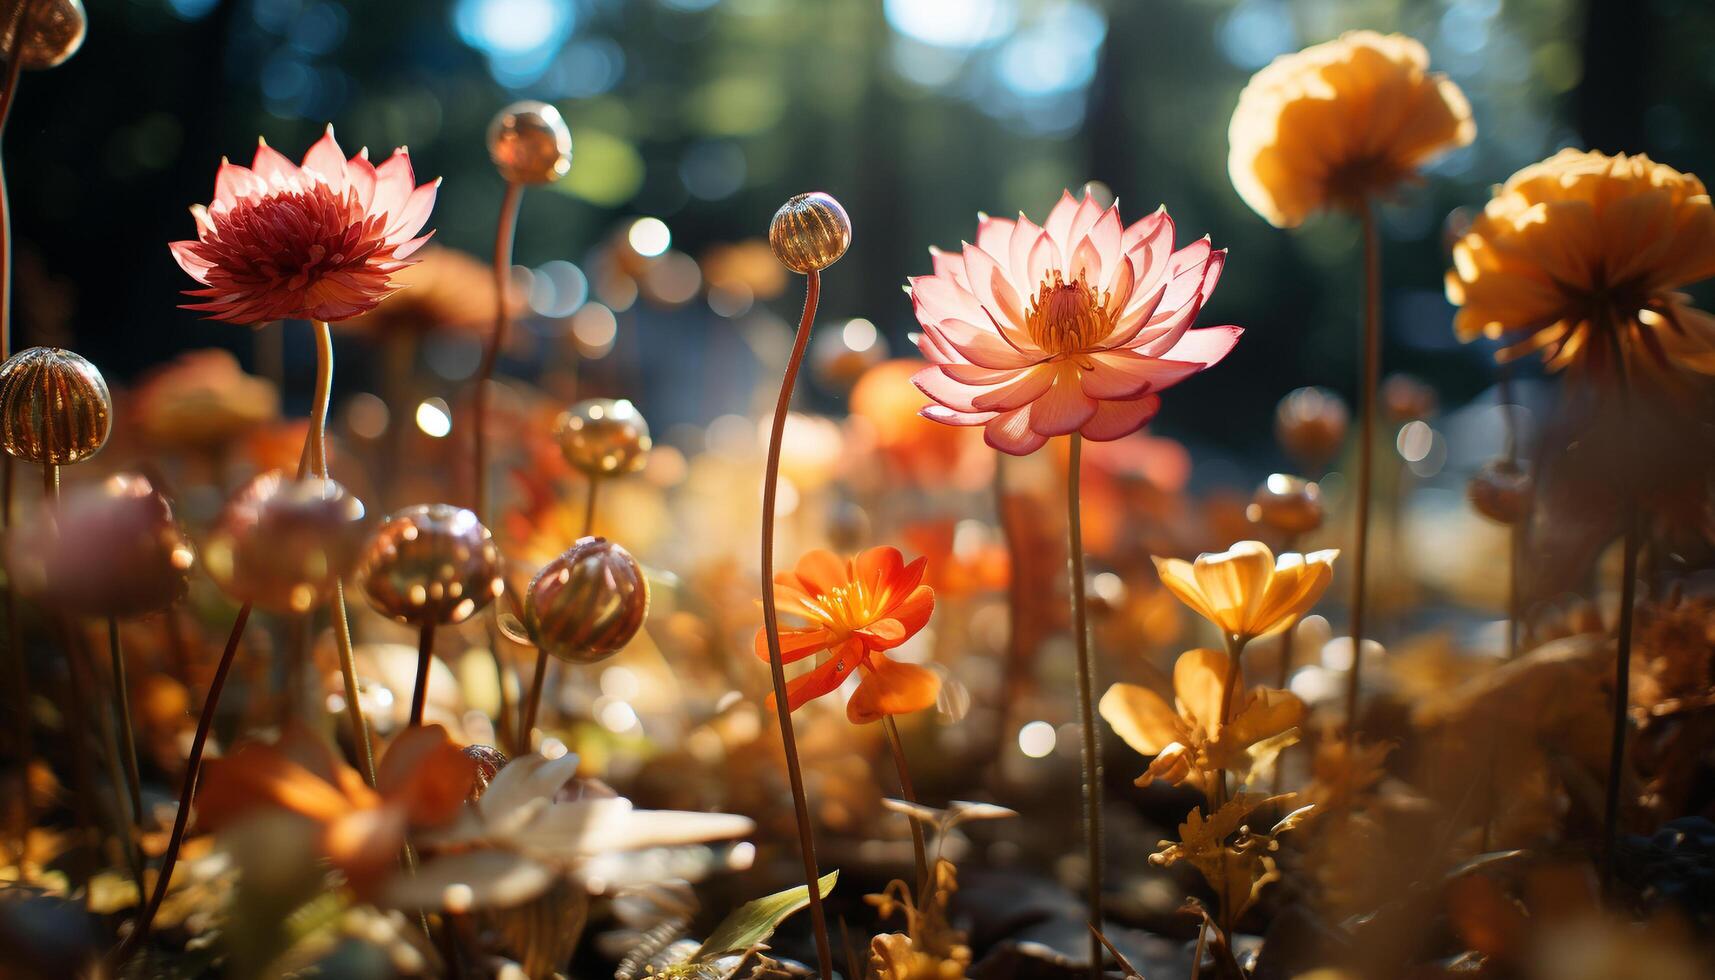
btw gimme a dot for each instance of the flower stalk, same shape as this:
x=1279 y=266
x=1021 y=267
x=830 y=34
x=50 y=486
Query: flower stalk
x=771 y=625
x=533 y=701
x=127 y=746
x=1092 y=754
x=1369 y=379
x=425 y=657
x=1623 y=638
x=919 y=850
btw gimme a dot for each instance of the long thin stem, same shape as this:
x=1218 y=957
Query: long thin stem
x=1283 y=676
x=20 y=671
x=14 y=65
x=589 y=507
x=1515 y=531
x=425 y=657
x=918 y=849
x=771 y=628
x=316 y=458
x=1623 y=651
x=1366 y=452
x=1086 y=701
x=127 y=738
x=503 y=234
x=533 y=702
x=1229 y=689
x=193 y=768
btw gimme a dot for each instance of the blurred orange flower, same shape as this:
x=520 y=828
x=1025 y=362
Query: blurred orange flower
x=202 y=400
x=445 y=289
x=857 y=609
x=1584 y=249
x=422 y=780
x=1245 y=591
x=1341 y=121
x=926 y=453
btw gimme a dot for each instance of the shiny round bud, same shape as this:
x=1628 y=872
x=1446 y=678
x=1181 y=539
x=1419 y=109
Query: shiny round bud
x=54 y=407
x=430 y=563
x=530 y=144
x=1405 y=398
x=1310 y=424
x=1287 y=504
x=1500 y=491
x=587 y=604
x=108 y=549
x=603 y=437
x=489 y=761
x=54 y=32
x=810 y=232
x=283 y=543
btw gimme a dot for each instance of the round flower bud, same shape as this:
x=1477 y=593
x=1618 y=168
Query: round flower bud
x=603 y=437
x=587 y=604
x=430 y=563
x=1310 y=424
x=810 y=232
x=489 y=761
x=1500 y=491
x=530 y=144
x=108 y=549
x=54 y=406
x=1405 y=398
x=284 y=544
x=53 y=33
x=1287 y=504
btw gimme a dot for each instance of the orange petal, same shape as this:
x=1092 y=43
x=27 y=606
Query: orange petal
x=892 y=688
x=1199 y=676
x=820 y=571
x=424 y=772
x=258 y=777
x=823 y=679
x=794 y=644
x=1140 y=717
x=903 y=621
x=878 y=567
x=1180 y=579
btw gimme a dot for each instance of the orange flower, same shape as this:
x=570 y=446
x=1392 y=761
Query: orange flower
x=444 y=288
x=422 y=780
x=1581 y=247
x=1339 y=122
x=857 y=608
x=203 y=399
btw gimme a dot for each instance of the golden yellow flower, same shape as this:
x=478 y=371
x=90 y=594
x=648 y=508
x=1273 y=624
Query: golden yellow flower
x=1245 y=591
x=1339 y=122
x=1188 y=739
x=1582 y=249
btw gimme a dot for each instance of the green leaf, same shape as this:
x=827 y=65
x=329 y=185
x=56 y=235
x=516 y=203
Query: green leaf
x=753 y=922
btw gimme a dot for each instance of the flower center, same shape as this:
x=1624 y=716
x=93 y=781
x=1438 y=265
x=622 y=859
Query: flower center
x=850 y=606
x=1068 y=317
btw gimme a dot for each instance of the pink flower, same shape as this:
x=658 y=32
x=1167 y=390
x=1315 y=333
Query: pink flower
x=315 y=242
x=1073 y=326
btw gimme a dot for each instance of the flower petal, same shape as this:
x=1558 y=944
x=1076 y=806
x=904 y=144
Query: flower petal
x=892 y=688
x=1234 y=582
x=1199 y=677
x=1063 y=408
x=1011 y=433
x=1117 y=419
x=1140 y=717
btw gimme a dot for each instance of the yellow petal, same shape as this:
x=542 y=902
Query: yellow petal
x=1233 y=582
x=1181 y=580
x=1198 y=679
x=1296 y=586
x=1140 y=717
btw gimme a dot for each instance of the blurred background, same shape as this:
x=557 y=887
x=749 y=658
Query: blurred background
x=699 y=117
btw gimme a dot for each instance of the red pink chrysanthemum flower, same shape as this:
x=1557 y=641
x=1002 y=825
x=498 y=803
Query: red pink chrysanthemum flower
x=316 y=241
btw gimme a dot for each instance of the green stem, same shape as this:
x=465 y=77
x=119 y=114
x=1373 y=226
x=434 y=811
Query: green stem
x=918 y=849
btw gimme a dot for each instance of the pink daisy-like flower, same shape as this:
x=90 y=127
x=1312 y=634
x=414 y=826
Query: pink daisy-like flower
x=1075 y=325
x=316 y=241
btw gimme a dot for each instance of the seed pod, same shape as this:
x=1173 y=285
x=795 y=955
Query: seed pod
x=54 y=407
x=1287 y=504
x=431 y=563
x=284 y=543
x=530 y=144
x=1405 y=397
x=603 y=437
x=810 y=232
x=1500 y=491
x=1310 y=424
x=587 y=604
x=54 y=31
x=489 y=761
x=110 y=549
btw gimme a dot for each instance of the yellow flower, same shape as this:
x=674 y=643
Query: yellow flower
x=1341 y=121
x=1582 y=248
x=1188 y=739
x=1245 y=591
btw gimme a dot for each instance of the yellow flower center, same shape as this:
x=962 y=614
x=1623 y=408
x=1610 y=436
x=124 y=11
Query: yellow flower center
x=1068 y=317
x=850 y=607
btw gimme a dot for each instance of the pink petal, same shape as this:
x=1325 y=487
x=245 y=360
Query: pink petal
x=1011 y=433
x=994 y=235
x=414 y=215
x=946 y=416
x=1024 y=236
x=1105 y=236
x=1148 y=229
x=1120 y=286
x=360 y=177
x=1123 y=375
x=1082 y=221
x=394 y=184
x=273 y=167
x=1064 y=408
x=948 y=265
x=980 y=346
x=1086 y=263
x=189 y=261
x=973 y=374
x=943 y=299
x=1045 y=259
x=1207 y=346
x=1117 y=419
x=1132 y=323
x=1059 y=223
x=1028 y=386
x=933 y=381
x=992 y=289
x=233 y=183
x=327 y=161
